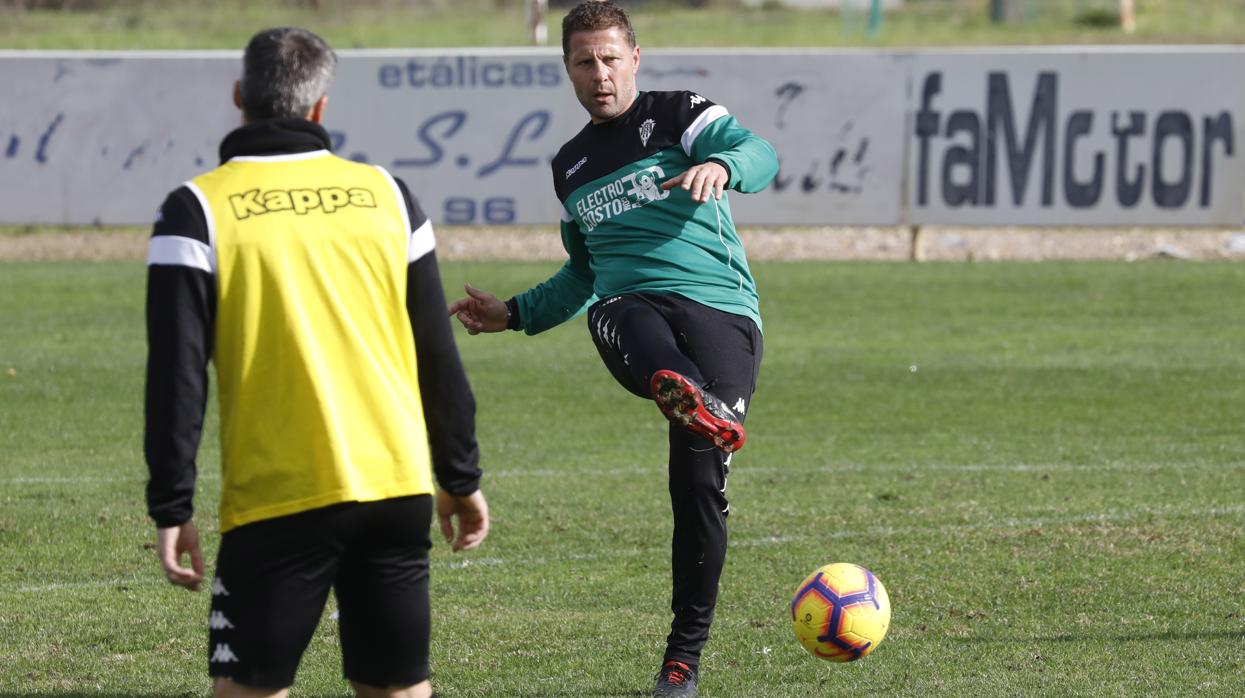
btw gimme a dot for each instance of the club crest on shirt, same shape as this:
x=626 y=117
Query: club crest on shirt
x=646 y=130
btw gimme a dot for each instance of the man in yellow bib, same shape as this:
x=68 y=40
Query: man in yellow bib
x=311 y=282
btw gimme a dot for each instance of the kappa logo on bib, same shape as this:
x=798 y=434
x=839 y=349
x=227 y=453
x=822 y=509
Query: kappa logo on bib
x=300 y=201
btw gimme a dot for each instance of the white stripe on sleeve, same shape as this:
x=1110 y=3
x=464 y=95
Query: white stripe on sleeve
x=422 y=242
x=706 y=117
x=179 y=251
x=211 y=223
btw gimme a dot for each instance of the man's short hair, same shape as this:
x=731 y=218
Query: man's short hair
x=595 y=15
x=285 y=71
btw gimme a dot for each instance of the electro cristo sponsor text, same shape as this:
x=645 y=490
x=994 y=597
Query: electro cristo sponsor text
x=631 y=191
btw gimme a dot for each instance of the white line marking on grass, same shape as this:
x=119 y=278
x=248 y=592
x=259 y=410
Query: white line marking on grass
x=1037 y=522
x=475 y=562
x=986 y=467
x=743 y=469
x=1113 y=516
x=549 y=472
x=69 y=480
x=875 y=532
x=769 y=540
x=94 y=584
x=746 y=468
x=86 y=480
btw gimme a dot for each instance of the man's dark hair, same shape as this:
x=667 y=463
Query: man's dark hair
x=285 y=71
x=595 y=15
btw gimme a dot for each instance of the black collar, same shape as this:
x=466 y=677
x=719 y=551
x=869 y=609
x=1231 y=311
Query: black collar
x=274 y=137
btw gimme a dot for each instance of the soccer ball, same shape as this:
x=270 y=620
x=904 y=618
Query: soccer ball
x=840 y=612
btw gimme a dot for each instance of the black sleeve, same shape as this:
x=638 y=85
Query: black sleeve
x=181 y=309
x=513 y=321
x=449 y=406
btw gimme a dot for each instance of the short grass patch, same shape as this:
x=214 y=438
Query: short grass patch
x=1042 y=462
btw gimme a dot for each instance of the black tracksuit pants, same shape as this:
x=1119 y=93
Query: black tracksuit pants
x=637 y=335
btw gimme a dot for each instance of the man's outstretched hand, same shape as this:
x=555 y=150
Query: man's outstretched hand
x=480 y=311
x=702 y=181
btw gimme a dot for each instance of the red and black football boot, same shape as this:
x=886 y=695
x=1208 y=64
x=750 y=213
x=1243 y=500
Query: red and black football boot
x=698 y=410
x=675 y=680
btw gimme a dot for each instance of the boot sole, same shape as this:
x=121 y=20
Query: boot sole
x=682 y=403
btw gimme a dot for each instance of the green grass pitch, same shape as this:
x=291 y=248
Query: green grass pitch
x=1044 y=463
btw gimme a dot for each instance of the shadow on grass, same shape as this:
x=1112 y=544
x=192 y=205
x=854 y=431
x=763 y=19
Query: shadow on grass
x=1119 y=637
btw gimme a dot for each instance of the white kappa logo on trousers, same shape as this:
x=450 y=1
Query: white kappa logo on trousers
x=223 y=654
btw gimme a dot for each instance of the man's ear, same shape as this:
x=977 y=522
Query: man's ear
x=237 y=93
x=316 y=115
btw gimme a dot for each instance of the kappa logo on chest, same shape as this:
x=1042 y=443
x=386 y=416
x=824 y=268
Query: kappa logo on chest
x=575 y=168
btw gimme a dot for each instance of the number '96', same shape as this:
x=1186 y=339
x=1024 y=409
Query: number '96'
x=463 y=211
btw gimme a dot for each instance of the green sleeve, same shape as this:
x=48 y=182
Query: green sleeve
x=565 y=294
x=751 y=159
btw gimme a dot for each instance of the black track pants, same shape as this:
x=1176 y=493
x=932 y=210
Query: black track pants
x=637 y=335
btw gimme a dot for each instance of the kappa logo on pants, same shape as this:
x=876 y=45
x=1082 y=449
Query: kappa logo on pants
x=218 y=621
x=218 y=587
x=223 y=654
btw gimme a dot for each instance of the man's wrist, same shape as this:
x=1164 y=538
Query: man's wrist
x=512 y=314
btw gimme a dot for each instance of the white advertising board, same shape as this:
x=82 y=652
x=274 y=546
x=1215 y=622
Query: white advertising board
x=101 y=139
x=1127 y=136
x=1078 y=137
x=831 y=116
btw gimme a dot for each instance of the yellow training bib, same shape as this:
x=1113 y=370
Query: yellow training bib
x=315 y=359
